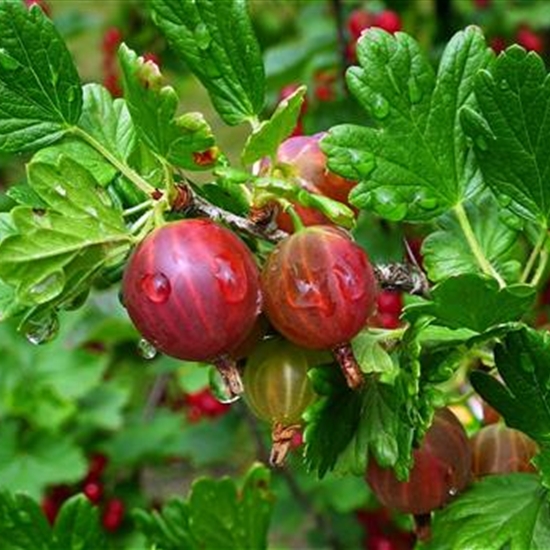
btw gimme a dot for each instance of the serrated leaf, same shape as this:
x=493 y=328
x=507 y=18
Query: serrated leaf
x=509 y=130
x=474 y=302
x=153 y=107
x=522 y=360
x=446 y=252
x=40 y=89
x=218 y=514
x=23 y=525
x=415 y=164
x=24 y=194
x=8 y=301
x=264 y=140
x=501 y=511
x=80 y=227
x=371 y=356
x=217 y=41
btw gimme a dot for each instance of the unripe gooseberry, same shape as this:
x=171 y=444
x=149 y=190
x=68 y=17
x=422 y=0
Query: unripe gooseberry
x=319 y=290
x=192 y=290
x=497 y=449
x=441 y=469
x=277 y=388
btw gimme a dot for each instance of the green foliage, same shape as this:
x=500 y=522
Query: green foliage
x=40 y=89
x=23 y=525
x=509 y=131
x=217 y=514
x=217 y=42
x=507 y=511
x=415 y=164
x=153 y=106
x=522 y=360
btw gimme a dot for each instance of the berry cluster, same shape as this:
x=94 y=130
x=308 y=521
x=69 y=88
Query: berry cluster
x=92 y=487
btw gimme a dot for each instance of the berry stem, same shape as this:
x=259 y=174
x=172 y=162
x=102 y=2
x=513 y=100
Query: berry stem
x=423 y=526
x=535 y=253
x=348 y=364
x=281 y=437
x=227 y=367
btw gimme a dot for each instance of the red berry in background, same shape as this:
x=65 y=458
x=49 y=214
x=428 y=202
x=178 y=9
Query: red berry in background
x=529 y=40
x=387 y=20
x=192 y=290
x=358 y=21
x=113 y=514
x=112 y=39
x=323 y=86
x=497 y=449
x=98 y=463
x=93 y=491
x=319 y=288
x=42 y=4
x=390 y=301
x=388 y=321
x=482 y=4
x=50 y=507
x=153 y=57
x=498 y=44
x=203 y=403
x=441 y=469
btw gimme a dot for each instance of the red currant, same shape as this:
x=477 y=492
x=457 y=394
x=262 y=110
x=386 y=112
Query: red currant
x=113 y=514
x=50 y=507
x=93 y=491
x=98 y=463
x=441 y=470
x=390 y=301
x=358 y=21
x=387 y=20
x=497 y=449
x=192 y=290
x=529 y=39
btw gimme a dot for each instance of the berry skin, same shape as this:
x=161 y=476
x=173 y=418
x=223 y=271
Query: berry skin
x=497 y=449
x=192 y=290
x=319 y=288
x=390 y=301
x=113 y=514
x=441 y=469
x=93 y=491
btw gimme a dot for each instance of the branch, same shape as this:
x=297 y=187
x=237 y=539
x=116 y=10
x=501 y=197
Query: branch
x=404 y=277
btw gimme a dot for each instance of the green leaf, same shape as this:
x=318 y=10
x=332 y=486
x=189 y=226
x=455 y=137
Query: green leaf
x=24 y=194
x=217 y=514
x=217 y=42
x=40 y=89
x=522 y=360
x=474 y=302
x=23 y=525
x=502 y=511
x=415 y=164
x=344 y=426
x=78 y=232
x=153 y=109
x=108 y=121
x=371 y=356
x=32 y=463
x=264 y=140
x=510 y=130
x=77 y=526
x=446 y=252
x=9 y=306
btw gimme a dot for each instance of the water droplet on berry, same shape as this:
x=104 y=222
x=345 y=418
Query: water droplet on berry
x=202 y=36
x=7 y=62
x=47 y=288
x=146 y=349
x=219 y=388
x=41 y=328
x=156 y=287
x=348 y=281
x=231 y=277
x=380 y=107
x=415 y=92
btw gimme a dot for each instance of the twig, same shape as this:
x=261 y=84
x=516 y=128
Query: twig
x=404 y=277
x=155 y=395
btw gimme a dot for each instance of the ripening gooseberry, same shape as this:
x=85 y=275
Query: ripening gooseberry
x=192 y=290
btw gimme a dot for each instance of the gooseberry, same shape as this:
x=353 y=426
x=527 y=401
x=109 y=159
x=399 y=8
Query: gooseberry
x=497 y=449
x=441 y=469
x=278 y=390
x=319 y=290
x=192 y=290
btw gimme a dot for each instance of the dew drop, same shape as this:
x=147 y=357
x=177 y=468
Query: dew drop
x=415 y=92
x=453 y=491
x=146 y=349
x=380 y=107
x=47 y=288
x=230 y=275
x=156 y=287
x=202 y=37
x=41 y=328
x=7 y=62
x=219 y=389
